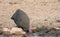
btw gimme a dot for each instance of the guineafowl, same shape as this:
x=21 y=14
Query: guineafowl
x=21 y=19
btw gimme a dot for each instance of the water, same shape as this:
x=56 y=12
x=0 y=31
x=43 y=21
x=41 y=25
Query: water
x=46 y=36
x=51 y=33
x=34 y=35
x=31 y=36
x=10 y=36
x=7 y=36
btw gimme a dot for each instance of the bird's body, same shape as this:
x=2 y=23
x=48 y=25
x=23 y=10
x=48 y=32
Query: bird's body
x=21 y=19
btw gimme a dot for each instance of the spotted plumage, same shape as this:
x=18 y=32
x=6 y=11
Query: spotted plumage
x=21 y=19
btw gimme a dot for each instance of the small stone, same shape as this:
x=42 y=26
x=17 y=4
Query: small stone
x=17 y=31
x=6 y=31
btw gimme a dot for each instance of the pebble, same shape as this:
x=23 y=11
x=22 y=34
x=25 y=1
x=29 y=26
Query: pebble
x=13 y=31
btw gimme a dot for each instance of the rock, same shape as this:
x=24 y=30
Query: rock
x=6 y=31
x=17 y=31
x=14 y=30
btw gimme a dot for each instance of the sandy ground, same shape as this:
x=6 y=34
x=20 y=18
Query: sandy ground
x=42 y=13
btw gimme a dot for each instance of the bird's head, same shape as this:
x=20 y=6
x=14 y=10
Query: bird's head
x=29 y=31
